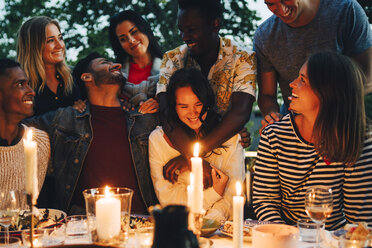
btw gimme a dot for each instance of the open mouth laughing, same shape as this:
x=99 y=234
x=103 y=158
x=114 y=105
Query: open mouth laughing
x=191 y=44
x=28 y=101
x=294 y=96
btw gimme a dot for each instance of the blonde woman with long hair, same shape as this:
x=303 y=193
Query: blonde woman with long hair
x=41 y=52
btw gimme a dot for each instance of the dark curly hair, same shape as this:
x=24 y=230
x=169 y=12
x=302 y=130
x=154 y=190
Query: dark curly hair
x=212 y=9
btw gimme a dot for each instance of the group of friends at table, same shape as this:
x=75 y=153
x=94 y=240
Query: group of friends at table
x=134 y=122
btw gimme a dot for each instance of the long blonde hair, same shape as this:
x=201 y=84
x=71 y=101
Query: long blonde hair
x=30 y=45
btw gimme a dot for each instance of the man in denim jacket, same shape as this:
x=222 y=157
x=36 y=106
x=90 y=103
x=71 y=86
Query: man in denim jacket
x=102 y=145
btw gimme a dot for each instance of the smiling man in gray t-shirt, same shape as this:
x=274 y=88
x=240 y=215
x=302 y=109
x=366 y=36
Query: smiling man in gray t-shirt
x=299 y=28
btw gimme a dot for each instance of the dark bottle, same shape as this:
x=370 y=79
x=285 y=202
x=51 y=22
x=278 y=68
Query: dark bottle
x=171 y=230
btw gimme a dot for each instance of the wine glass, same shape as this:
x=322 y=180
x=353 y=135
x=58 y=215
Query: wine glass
x=9 y=209
x=318 y=205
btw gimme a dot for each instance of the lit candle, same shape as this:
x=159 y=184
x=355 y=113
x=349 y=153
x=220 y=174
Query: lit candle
x=248 y=181
x=30 y=149
x=238 y=204
x=108 y=216
x=190 y=201
x=197 y=171
x=190 y=193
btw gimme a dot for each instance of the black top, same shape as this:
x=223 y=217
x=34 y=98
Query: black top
x=46 y=100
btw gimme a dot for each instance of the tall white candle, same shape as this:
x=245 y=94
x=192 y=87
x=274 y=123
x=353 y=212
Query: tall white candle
x=191 y=201
x=190 y=193
x=248 y=181
x=197 y=171
x=108 y=216
x=238 y=205
x=30 y=149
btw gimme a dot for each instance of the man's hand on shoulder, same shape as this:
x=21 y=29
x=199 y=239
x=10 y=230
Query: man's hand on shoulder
x=270 y=119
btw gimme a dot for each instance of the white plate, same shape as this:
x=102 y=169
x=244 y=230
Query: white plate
x=247 y=225
x=52 y=214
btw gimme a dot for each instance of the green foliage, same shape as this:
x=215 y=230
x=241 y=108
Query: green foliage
x=367 y=6
x=85 y=23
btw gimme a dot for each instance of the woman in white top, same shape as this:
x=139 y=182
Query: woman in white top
x=191 y=102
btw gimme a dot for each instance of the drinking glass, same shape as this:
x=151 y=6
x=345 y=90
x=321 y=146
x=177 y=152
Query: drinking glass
x=318 y=205
x=9 y=209
x=144 y=237
x=44 y=237
x=12 y=242
x=77 y=231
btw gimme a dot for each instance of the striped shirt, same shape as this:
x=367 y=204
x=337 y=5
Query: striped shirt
x=287 y=165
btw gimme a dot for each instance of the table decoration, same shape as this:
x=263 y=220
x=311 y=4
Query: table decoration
x=108 y=213
x=30 y=150
x=195 y=193
x=238 y=206
x=197 y=172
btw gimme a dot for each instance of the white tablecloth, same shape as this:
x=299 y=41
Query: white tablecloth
x=221 y=241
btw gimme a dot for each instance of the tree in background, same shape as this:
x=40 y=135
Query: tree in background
x=85 y=23
x=367 y=6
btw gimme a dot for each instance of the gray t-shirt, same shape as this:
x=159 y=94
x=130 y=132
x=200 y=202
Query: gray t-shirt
x=339 y=25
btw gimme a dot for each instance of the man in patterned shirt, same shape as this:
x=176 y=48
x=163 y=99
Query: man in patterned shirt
x=230 y=70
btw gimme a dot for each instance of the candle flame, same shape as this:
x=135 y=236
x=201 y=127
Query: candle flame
x=191 y=179
x=107 y=191
x=238 y=188
x=29 y=135
x=196 y=150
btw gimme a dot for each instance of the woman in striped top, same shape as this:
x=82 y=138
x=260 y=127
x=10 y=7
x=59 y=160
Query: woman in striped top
x=325 y=140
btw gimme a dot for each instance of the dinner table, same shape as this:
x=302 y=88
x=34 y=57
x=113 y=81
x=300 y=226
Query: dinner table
x=220 y=240
x=216 y=240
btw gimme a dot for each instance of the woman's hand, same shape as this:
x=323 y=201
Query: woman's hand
x=219 y=180
x=80 y=105
x=149 y=107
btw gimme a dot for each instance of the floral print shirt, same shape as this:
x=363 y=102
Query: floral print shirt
x=233 y=71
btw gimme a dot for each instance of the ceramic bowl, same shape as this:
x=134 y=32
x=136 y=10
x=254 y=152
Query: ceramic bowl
x=274 y=235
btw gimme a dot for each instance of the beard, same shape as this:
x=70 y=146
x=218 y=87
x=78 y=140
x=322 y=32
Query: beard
x=104 y=77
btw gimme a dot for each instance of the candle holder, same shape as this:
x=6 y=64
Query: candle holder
x=29 y=199
x=108 y=214
x=196 y=223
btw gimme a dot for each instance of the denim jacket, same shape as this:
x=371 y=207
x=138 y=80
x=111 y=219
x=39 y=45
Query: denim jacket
x=70 y=134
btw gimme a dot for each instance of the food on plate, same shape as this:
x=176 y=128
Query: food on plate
x=43 y=218
x=361 y=232
x=209 y=226
x=137 y=222
x=228 y=229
